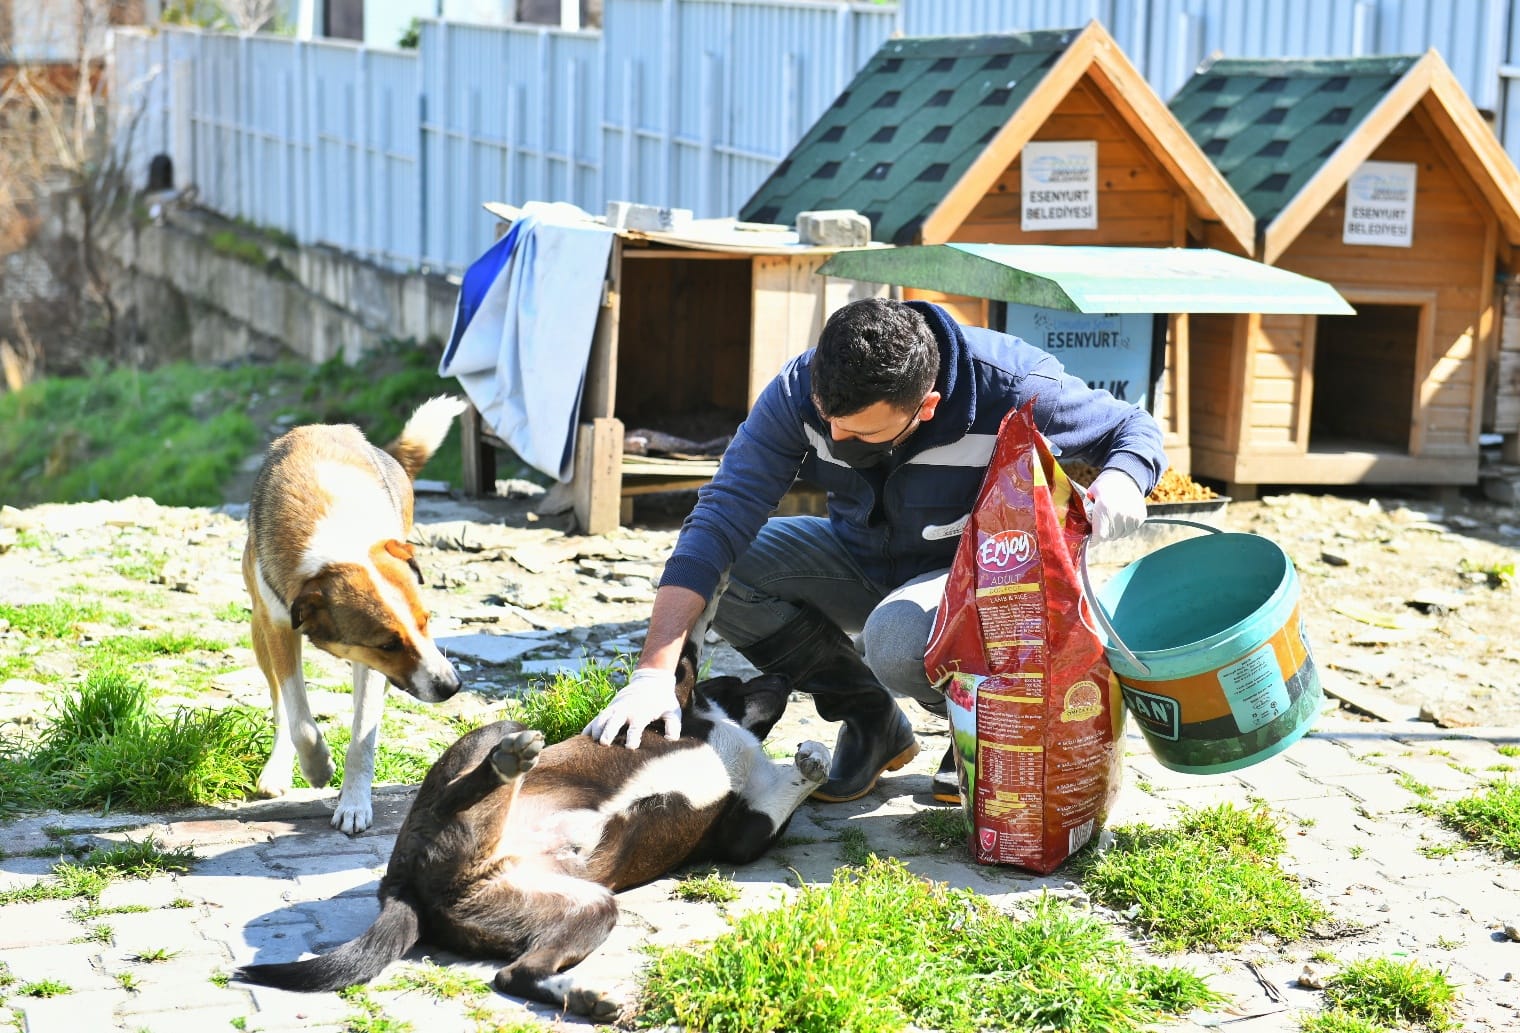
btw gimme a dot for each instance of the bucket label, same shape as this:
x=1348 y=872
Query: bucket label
x=1255 y=689
x=1159 y=715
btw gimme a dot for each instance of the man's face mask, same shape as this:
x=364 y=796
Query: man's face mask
x=865 y=454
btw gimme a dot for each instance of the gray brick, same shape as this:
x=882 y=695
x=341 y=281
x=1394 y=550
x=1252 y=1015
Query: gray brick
x=184 y=1020
x=70 y=1013
x=37 y=924
x=1322 y=758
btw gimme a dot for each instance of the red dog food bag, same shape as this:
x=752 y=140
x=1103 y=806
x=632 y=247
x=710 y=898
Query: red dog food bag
x=1034 y=709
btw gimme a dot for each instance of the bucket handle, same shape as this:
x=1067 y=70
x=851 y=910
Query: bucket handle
x=1091 y=598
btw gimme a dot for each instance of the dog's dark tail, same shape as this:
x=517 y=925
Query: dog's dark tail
x=424 y=432
x=394 y=933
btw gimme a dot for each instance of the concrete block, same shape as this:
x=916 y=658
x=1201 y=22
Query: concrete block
x=839 y=227
x=625 y=215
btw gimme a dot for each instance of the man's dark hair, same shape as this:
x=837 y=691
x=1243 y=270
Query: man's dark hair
x=870 y=351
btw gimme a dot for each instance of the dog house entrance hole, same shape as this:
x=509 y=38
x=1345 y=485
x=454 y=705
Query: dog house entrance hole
x=1364 y=376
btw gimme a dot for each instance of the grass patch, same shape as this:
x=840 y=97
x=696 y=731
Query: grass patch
x=1339 y=1022
x=1490 y=818
x=945 y=827
x=854 y=846
x=131 y=649
x=879 y=949
x=234 y=613
x=1393 y=993
x=710 y=887
x=86 y=877
x=153 y=957
x=44 y=988
x=104 y=746
x=437 y=981
x=394 y=765
x=1213 y=881
x=564 y=706
x=370 y=1017
x=179 y=433
x=55 y=620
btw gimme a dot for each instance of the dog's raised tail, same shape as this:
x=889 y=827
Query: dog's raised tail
x=394 y=933
x=424 y=432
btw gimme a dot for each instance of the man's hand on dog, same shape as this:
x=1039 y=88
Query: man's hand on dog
x=649 y=696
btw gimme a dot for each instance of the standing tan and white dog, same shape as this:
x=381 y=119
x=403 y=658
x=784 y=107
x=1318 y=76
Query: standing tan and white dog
x=327 y=558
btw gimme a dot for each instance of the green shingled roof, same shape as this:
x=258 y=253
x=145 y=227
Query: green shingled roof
x=907 y=128
x=1269 y=125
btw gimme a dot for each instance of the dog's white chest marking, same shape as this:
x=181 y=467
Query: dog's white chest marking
x=700 y=776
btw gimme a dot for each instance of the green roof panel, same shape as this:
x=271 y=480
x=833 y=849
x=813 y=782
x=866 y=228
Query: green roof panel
x=1270 y=124
x=905 y=130
x=1099 y=279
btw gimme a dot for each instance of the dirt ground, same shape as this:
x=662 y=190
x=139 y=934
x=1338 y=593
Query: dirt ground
x=1406 y=602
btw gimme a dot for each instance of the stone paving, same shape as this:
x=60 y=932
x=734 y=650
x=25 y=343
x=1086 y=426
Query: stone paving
x=274 y=880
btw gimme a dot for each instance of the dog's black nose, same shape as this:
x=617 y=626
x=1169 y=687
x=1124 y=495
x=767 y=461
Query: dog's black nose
x=434 y=689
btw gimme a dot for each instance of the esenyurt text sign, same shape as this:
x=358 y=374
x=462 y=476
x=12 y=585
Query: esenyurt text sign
x=1112 y=351
x=1380 y=204
x=1059 y=182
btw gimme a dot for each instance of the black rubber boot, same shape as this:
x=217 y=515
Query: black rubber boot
x=820 y=659
x=946 y=787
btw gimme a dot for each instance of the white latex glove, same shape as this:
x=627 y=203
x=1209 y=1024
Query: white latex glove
x=1118 y=508
x=649 y=696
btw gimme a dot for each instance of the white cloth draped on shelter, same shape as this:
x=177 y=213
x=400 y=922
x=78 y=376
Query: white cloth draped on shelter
x=523 y=328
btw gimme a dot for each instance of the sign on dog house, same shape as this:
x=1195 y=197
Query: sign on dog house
x=1377 y=175
x=1047 y=137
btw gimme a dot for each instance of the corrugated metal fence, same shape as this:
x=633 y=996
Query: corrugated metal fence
x=688 y=103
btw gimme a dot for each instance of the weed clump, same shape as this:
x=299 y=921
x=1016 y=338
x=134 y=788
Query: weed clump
x=105 y=746
x=1213 y=881
x=1387 y=992
x=879 y=949
x=563 y=706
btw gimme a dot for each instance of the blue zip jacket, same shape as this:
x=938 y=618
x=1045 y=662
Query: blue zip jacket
x=903 y=517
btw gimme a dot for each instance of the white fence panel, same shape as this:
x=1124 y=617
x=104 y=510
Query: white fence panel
x=687 y=103
x=510 y=115
x=140 y=104
x=271 y=181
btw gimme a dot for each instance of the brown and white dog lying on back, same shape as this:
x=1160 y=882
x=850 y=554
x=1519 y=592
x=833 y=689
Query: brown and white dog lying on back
x=513 y=853
x=327 y=558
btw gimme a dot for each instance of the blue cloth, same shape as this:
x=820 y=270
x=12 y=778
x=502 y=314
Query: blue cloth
x=903 y=519
x=523 y=328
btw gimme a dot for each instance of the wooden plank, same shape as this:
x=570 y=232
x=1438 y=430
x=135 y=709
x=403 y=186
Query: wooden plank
x=965 y=310
x=1237 y=430
x=1262 y=467
x=596 y=485
x=478 y=457
x=772 y=321
x=1308 y=356
x=599 y=396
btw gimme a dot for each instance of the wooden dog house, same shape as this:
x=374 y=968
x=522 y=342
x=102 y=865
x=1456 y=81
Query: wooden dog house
x=936 y=138
x=692 y=326
x=1393 y=394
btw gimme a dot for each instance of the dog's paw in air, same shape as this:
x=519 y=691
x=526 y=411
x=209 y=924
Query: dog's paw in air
x=813 y=761
x=517 y=753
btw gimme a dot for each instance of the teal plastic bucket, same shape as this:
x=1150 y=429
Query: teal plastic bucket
x=1207 y=640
